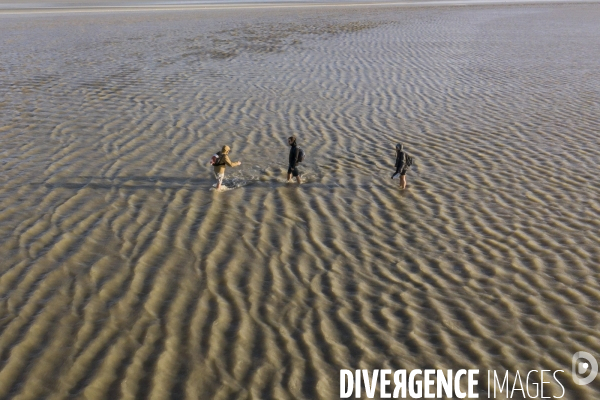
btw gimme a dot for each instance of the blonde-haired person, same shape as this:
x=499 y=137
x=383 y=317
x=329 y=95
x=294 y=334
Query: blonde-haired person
x=222 y=162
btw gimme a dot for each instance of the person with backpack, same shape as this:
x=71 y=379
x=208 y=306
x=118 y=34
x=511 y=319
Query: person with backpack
x=296 y=156
x=220 y=161
x=403 y=162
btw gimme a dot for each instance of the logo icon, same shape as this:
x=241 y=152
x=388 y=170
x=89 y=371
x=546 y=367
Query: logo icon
x=582 y=363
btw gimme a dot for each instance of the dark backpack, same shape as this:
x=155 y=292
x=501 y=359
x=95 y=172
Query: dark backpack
x=216 y=159
x=408 y=161
x=301 y=155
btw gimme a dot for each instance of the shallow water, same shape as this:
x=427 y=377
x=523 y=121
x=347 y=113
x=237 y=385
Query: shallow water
x=123 y=275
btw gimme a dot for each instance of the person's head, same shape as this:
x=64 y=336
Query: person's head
x=225 y=150
x=399 y=147
x=292 y=140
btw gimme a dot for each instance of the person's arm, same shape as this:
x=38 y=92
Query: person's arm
x=227 y=161
x=233 y=164
x=293 y=157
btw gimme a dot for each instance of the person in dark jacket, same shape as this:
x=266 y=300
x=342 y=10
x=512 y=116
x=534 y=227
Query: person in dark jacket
x=293 y=160
x=400 y=165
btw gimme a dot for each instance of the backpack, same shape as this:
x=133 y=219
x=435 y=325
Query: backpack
x=215 y=160
x=301 y=155
x=408 y=161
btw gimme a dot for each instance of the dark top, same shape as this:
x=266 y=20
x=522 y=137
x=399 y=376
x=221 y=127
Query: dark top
x=400 y=161
x=293 y=156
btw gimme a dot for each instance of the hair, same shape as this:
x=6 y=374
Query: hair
x=292 y=139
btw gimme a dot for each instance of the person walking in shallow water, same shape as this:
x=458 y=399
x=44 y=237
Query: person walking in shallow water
x=401 y=165
x=293 y=160
x=222 y=161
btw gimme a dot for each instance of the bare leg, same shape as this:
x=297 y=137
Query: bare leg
x=219 y=182
x=298 y=179
x=402 y=181
x=289 y=178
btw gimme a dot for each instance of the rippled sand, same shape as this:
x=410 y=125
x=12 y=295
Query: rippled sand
x=123 y=275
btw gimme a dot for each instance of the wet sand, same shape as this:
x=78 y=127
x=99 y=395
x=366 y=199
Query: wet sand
x=124 y=275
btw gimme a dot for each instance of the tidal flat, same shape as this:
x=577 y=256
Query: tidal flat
x=124 y=275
